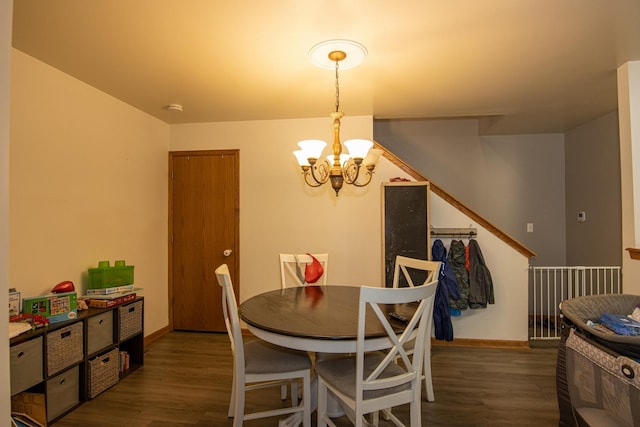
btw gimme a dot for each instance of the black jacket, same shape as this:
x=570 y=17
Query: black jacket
x=457 y=258
x=480 y=282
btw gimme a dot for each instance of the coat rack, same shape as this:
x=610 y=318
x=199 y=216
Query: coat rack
x=454 y=232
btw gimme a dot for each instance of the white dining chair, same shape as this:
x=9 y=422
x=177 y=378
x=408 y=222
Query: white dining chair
x=292 y=269
x=423 y=272
x=413 y=269
x=258 y=364
x=373 y=381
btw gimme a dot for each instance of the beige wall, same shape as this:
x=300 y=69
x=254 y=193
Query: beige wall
x=629 y=118
x=279 y=213
x=5 y=67
x=88 y=180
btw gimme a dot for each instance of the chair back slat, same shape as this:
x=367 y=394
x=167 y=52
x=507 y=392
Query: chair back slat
x=416 y=329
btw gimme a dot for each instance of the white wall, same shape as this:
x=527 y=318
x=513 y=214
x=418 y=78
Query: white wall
x=5 y=68
x=88 y=183
x=507 y=318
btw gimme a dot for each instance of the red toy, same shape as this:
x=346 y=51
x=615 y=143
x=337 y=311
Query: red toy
x=62 y=287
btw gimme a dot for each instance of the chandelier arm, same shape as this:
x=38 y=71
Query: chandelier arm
x=309 y=182
x=322 y=171
x=369 y=175
x=350 y=171
x=353 y=179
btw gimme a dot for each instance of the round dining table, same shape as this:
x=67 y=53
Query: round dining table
x=320 y=319
x=317 y=318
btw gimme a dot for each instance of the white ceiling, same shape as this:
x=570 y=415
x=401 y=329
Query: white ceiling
x=524 y=66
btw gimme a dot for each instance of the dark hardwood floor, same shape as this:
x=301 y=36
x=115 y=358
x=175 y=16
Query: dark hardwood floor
x=186 y=381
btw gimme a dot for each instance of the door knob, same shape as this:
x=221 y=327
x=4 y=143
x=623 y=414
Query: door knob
x=227 y=252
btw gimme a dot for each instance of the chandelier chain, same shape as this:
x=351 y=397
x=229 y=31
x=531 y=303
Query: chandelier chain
x=337 y=88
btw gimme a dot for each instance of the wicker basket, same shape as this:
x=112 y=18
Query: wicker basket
x=103 y=372
x=64 y=348
x=130 y=320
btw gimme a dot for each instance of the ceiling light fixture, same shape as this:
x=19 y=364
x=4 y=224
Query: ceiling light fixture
x=339 y=168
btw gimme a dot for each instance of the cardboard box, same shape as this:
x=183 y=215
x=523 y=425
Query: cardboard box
x=31 y=404
x=55 y=307
x=108 y=303
x=14 y=303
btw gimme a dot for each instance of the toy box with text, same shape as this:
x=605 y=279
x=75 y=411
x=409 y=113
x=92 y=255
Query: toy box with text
x=55 y=307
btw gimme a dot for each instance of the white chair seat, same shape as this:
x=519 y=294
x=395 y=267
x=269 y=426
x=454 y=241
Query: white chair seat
x=261 y=357
x=340 y=372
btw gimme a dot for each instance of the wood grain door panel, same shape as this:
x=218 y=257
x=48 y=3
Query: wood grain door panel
x=204 y=224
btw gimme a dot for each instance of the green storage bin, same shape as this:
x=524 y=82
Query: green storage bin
x=106 y=276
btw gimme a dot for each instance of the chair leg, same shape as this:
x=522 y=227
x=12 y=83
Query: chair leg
x=428 y=386
x=428 y=383
x=306 y=399
x=232 y=400
x=294 y=393
x=238 y=413
x=375 y=418
x=360 y=421
x=415 y=412
x=322 y=404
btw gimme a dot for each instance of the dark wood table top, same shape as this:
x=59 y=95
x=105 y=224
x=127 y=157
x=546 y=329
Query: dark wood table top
x=316 y=312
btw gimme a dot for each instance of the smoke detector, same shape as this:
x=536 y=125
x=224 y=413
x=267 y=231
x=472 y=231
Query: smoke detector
x=174 y=108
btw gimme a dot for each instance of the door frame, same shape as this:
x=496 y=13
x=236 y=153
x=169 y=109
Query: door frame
x=235 y=270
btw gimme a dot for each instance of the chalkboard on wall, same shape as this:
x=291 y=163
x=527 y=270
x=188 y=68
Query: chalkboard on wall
x=405 y=222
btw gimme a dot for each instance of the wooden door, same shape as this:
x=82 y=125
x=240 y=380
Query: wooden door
x=204 y=233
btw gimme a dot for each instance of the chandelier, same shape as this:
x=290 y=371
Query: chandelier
x=355 y=167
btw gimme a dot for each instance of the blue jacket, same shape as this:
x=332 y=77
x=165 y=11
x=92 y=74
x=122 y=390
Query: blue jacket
x=447 y=288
